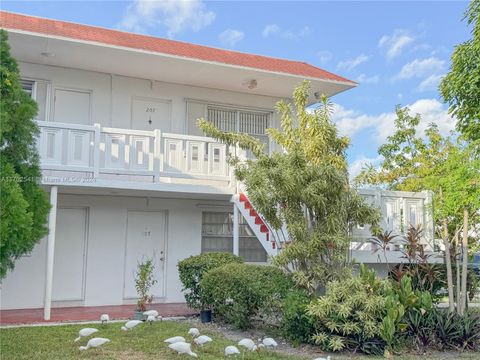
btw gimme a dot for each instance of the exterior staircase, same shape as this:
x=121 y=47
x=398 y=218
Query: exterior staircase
x=262 y=231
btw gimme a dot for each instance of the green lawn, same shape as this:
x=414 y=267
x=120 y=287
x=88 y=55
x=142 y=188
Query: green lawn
x=142 y=343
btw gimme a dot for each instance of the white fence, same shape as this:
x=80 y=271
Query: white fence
x=102 y=150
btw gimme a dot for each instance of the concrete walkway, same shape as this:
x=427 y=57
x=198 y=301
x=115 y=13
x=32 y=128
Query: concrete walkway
x=88 y=313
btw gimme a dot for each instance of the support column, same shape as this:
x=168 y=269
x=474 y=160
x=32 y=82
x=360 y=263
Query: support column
x=52 y=220
x=236 y=241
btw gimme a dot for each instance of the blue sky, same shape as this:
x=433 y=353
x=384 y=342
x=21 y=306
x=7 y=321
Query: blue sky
x=396 y=50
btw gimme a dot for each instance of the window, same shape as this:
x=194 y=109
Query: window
x=29 y=87
x=217 y=235
x=248 y=122
x=37 y=89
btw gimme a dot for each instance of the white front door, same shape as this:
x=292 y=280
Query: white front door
x=72 y=106
x=151 y=114
x=69 y=258
x=146 y=232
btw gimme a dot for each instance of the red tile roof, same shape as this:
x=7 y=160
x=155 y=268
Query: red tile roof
x=177 y=48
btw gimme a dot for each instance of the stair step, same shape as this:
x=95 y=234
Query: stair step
x=259 y=221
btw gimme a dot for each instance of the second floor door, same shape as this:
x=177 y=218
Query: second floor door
x=72 y=106
x=150 y=114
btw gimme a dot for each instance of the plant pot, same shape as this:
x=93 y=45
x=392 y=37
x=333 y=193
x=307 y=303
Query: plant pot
x=205 y=316
x=138 y=315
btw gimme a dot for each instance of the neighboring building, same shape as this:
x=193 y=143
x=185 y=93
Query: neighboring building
x=128 y=171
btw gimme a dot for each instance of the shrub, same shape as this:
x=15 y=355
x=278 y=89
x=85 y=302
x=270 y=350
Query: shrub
x=192 y=270
x=349 y=316
x=421 y=328
x=469 y=329
x=444 y=324
x=453 y=331
x=435 y=276
x=240 y=292
x=365 y=313
x=401 y=302
x=144 y=280
x=295 y=324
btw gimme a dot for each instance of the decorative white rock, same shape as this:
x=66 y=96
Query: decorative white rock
x=248 y=343
x=269 y=342
x=231 y=350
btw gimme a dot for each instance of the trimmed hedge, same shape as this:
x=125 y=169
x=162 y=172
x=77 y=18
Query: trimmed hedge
x=191 y=271
x=239 y=293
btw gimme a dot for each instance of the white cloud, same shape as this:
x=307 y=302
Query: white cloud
x=430 y=83
x=350 y=122
x=364 y=79
x=270 y=29
x=174 y=15
x=357 y=165
x=350 y=64
x=324 y=57
x=305 y=31
x=395 y=43
x=230 y=37
x=274 y=29
x=433 y=111
x=421 y=68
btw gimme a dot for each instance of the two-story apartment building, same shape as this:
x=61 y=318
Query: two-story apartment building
x=129 y=173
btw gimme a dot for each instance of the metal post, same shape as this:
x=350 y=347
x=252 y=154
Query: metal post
x=52 y=219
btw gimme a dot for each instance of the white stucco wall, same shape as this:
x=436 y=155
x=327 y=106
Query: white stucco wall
x=105 y=254
x=112 y=95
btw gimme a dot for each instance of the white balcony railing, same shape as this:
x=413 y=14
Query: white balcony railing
x=101 y=150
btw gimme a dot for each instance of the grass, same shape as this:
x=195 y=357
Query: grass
x=142 y=343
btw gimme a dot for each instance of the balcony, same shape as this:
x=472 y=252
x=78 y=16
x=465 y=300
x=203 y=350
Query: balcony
x=102 y=156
